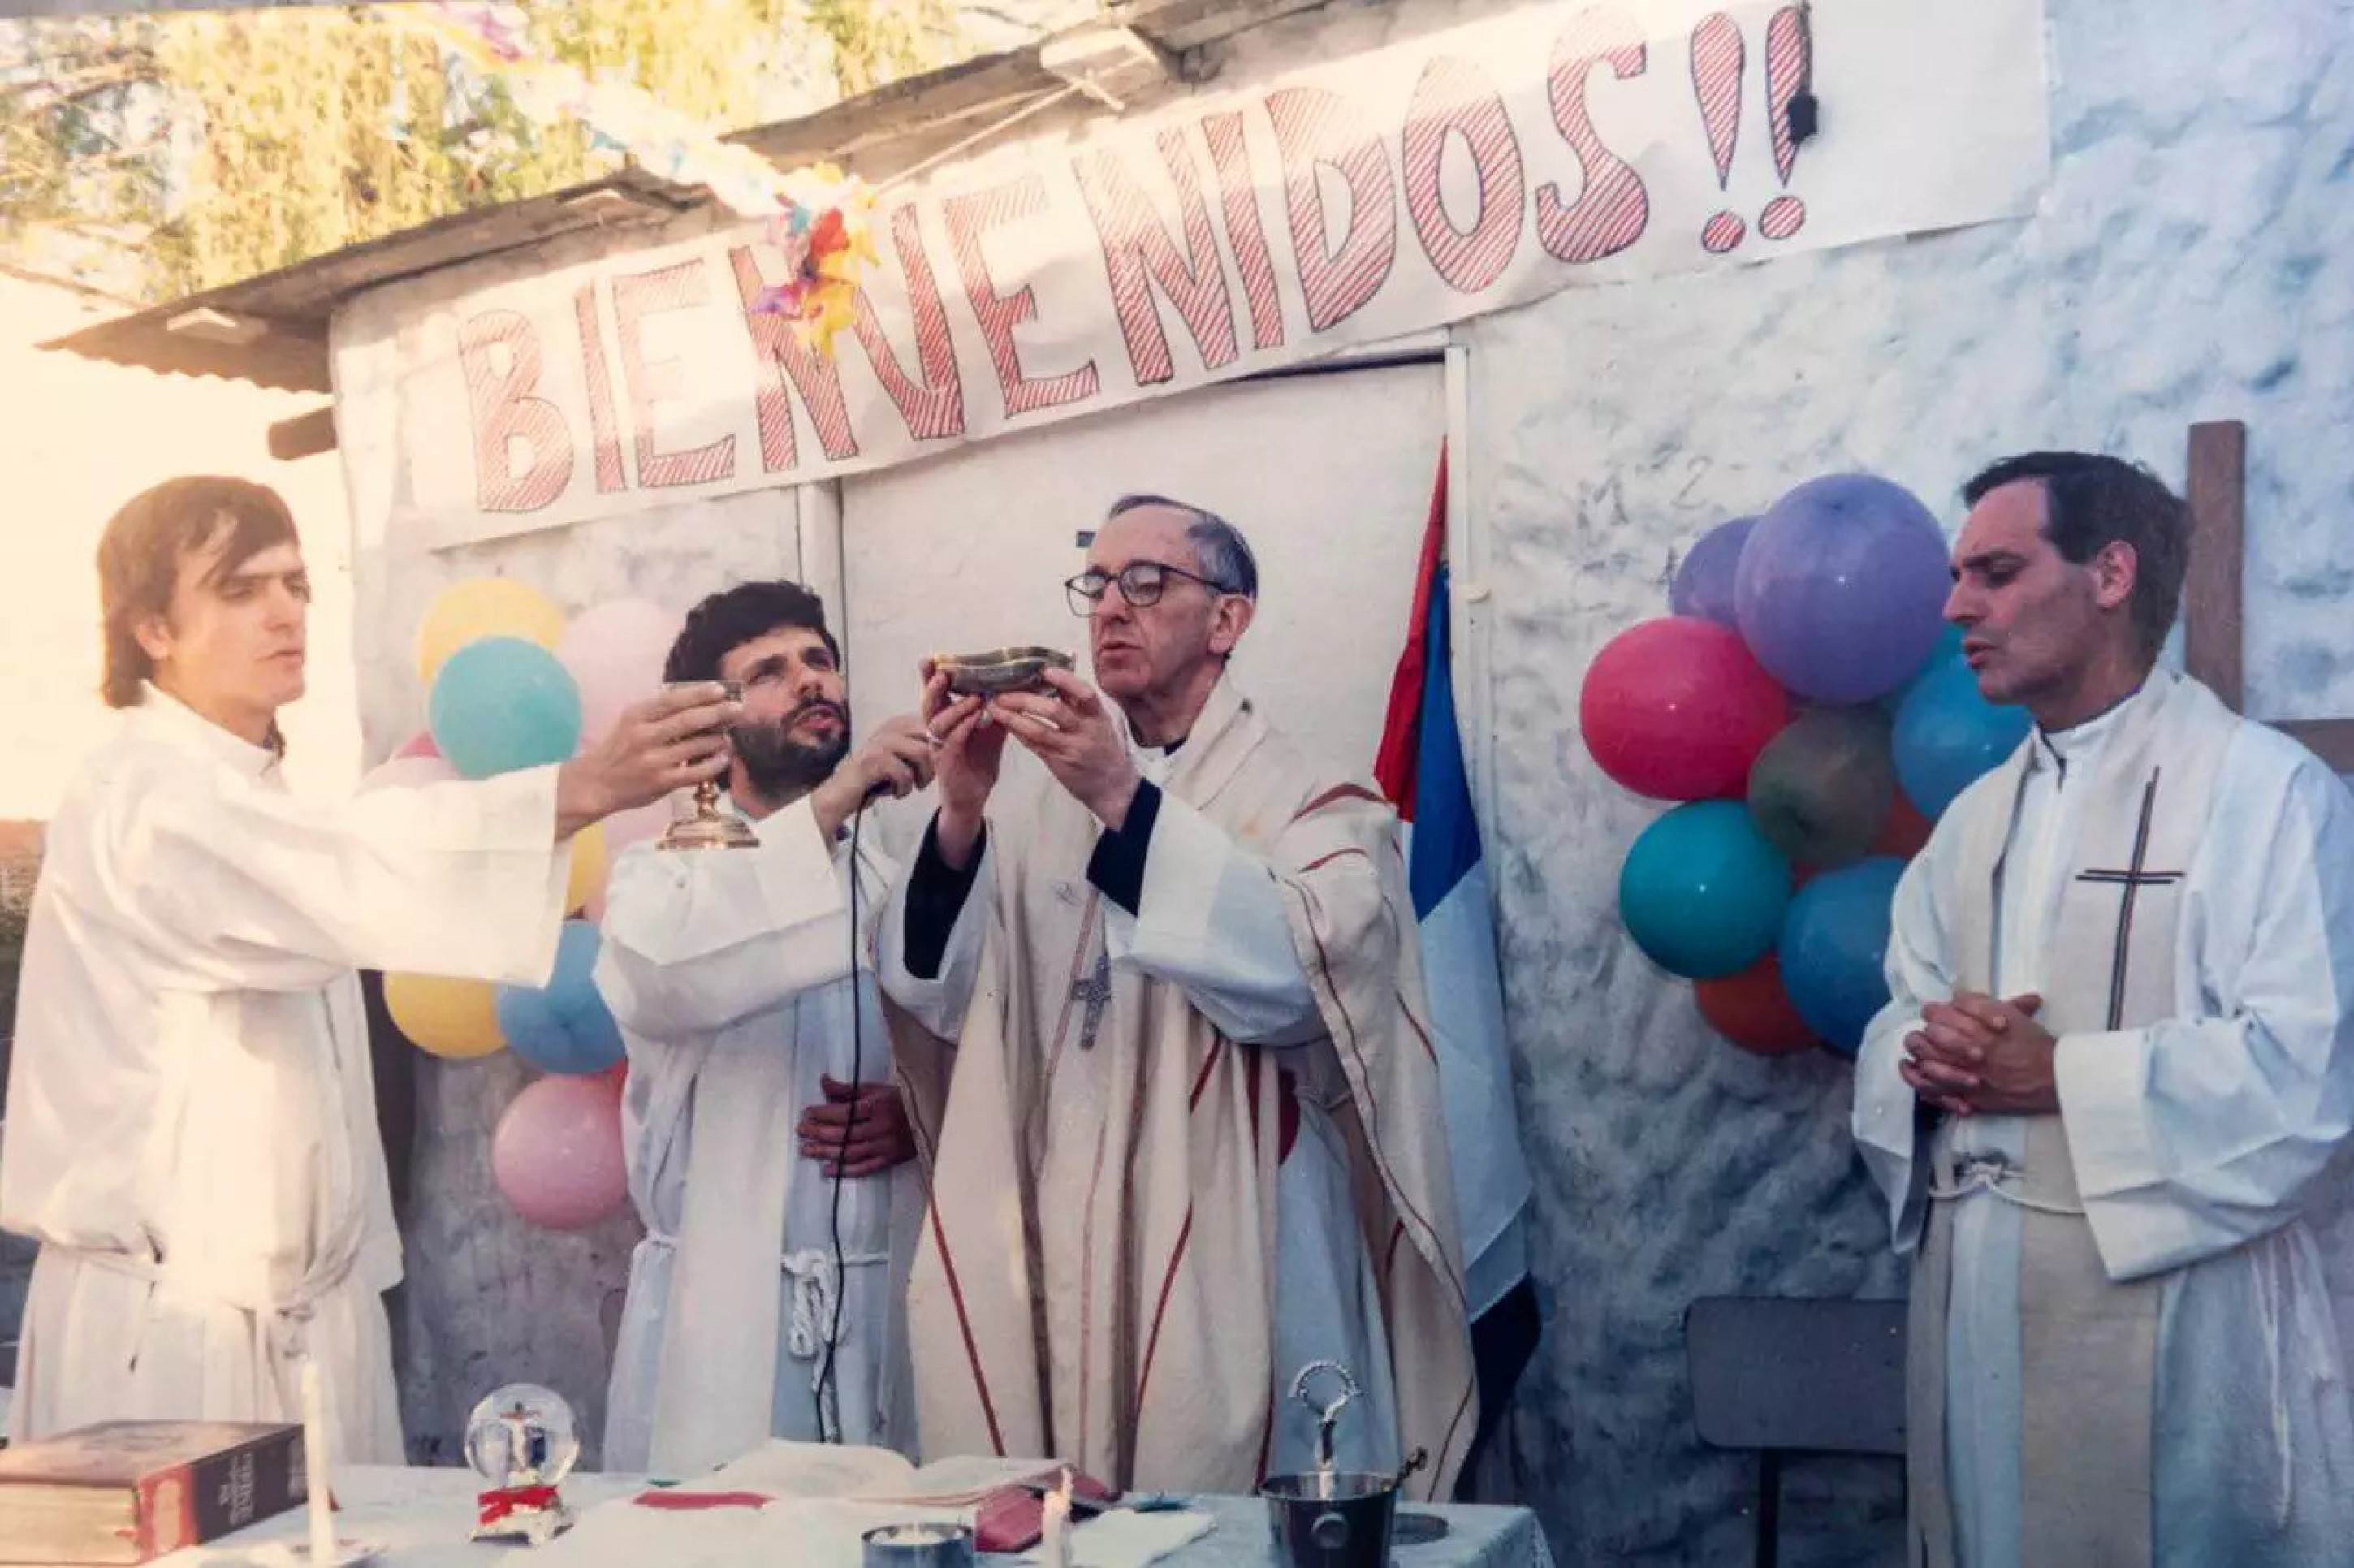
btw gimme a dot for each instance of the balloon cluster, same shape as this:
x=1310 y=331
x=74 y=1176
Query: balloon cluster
x=1803 y=702
x=510 y=684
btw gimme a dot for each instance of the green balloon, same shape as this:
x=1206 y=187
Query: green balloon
x=1702 y=891
x=1821 y=789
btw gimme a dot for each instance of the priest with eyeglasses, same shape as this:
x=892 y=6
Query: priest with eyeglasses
x=1175 y=1089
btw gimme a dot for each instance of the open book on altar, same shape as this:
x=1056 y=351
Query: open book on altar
x=784 y=1470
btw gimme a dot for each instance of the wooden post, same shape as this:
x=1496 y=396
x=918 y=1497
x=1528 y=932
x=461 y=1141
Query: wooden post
x=2214 y=590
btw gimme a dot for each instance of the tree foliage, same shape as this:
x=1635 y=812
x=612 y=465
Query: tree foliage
x=223 y=144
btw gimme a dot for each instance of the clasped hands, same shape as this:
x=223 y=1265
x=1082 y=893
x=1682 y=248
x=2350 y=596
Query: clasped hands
x=1978 y=1055
x=873 y=1120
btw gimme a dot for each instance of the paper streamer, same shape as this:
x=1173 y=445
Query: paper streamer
x=818 y=217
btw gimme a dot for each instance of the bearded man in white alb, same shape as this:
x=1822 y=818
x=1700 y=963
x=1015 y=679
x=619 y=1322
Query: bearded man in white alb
x=2105 y=1096
x=768 y=1151
x=191 y=1132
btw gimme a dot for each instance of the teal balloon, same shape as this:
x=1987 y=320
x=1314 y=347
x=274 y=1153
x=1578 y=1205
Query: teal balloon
x=564 y=1025
x=1702 y=891
x=501 y=703
x=1834 y=943
x=1947 y=736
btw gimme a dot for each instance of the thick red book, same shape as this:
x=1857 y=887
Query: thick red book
x=125 y=1491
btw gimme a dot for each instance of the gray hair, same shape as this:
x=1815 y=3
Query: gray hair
x=1219 y=548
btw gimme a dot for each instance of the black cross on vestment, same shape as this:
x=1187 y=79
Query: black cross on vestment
x=2133 y=879
x=1096 y=992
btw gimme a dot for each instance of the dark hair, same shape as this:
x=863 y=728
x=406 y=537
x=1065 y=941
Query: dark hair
x=139 y=558
x=733 y=617
x=2089 y=501
x=1219 y=548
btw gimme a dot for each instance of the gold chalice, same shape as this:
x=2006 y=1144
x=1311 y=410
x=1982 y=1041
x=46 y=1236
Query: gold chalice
x=708 y=827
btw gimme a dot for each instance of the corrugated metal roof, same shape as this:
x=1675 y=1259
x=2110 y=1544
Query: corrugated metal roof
x=292 y=307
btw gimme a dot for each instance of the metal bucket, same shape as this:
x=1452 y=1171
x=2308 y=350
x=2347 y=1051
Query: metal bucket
x=1336 y=1519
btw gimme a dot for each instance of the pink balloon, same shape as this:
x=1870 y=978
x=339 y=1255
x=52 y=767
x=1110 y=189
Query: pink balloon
x=419 y=744
x=556 y=1154
x=615 y=652
x=407 y=773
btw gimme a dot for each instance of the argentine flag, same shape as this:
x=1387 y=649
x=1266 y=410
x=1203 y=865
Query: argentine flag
x=1420 y=769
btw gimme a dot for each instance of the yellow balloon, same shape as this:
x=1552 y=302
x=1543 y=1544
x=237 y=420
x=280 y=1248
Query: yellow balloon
x=483 y=607
x=457 y=1019
x=588 y=868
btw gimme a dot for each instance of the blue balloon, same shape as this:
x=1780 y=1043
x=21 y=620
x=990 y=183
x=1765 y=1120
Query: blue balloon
x=1841 y=587
x=564 y=1027
x=1948 y=650
x=1947 y=736
x=1702 y=891
x=1834 y=939
x=501 y=703
x=1703 y=585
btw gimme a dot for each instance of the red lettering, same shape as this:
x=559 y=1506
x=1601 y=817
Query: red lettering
x=635 y=297
x=608 y=444
x=505 y=411
x=1138 y=253
x=1238 y=197
x=777 y=348
x=1454 y=98
x=969 y=218
x=1313 y=127
x=1610 y=214
x=934 y=406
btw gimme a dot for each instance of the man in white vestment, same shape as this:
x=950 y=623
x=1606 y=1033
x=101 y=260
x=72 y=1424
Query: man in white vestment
x=752 y=1053
x=1178 y=1100
x=2104 y=1097
x=191 y=1131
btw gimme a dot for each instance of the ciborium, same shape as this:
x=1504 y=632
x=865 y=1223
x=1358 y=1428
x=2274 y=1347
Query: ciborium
x=998 y=670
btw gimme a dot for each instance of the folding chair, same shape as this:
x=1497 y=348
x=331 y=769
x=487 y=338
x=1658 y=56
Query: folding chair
x=1795 y=1376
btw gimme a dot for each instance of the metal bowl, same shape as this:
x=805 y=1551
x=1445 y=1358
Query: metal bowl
x=998 y=670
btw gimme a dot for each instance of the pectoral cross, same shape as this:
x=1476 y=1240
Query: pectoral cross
x=1096 y=992
x=2133 y=879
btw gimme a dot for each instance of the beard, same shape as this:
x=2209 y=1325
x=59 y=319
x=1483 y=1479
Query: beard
x=784 y=768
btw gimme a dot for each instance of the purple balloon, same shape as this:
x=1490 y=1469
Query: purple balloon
x=1703 y=585
x=1842 y=587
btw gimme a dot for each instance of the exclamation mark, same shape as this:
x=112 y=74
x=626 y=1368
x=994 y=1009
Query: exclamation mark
x=1790 y=112
x=1718 y=58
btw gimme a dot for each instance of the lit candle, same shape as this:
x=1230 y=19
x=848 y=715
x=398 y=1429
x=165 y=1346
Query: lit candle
x=314 y=1465
x=1055 y=1525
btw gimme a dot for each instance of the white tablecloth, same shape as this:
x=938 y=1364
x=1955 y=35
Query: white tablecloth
x=420 y=1519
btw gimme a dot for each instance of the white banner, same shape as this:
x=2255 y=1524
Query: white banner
x=1379 y=196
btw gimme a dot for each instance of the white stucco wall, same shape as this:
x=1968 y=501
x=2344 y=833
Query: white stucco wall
x=2193 y=259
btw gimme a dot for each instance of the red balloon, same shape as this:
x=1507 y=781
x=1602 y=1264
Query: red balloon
x=419 y=744
x=1905 y=834
x=1678 y=709
x=1753 y=1011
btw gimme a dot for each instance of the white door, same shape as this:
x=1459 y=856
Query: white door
x=1327 y=475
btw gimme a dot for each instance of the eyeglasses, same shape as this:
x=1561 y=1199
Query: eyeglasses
x=1140 y=584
